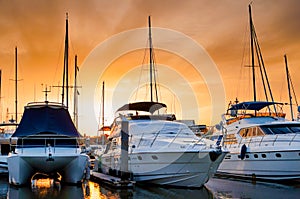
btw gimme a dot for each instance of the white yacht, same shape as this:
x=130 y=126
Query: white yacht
x=262 y=144
x=47 y=142
x=160 y=150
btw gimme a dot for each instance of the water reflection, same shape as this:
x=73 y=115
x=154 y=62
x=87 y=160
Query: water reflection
x=228 y=188
x=215 y=188
x=45 y=192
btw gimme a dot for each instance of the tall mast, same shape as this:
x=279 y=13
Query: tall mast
x=75 y=94
x=289 y=86
x=0 y=95
x=103 y=104
x=16 y=84
x=66 y=67
x=252 y=53
x=151 y=58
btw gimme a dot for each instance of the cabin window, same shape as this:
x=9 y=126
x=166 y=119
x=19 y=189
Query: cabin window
x=140 y=157
x=154 y=157
x=281 y=129
x=251 y=132
x=259 y=132
x=255 y=156
x=263 y=155
x=278 y=155
x=247 y=156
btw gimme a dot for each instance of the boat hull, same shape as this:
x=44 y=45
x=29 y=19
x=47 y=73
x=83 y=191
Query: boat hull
x=272 y=165
x=181 y=169
x=22 y=167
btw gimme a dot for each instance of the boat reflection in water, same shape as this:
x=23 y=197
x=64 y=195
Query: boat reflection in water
x=46 y=188
x=215 y=188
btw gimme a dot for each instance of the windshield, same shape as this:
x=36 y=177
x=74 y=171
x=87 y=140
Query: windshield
x=281 y=129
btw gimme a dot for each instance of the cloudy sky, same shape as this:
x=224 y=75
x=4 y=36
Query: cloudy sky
x=105 y=36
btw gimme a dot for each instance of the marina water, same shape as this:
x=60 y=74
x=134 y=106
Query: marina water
x=215 y=188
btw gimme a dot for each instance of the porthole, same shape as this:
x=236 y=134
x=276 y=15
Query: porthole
x=278 y=155
x=140 y=157
x=263 y=155
x=154 y=157
x=255 y=156
x=247 y=156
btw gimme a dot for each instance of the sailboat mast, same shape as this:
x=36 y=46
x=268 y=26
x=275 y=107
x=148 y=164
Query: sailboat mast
x=252 y=53
x=16 y=84
x=289 y=86
x=151 y=59
x=66 y=67
x=75 y=94
x=67 y=60
x=0 y=95
x=103 y=104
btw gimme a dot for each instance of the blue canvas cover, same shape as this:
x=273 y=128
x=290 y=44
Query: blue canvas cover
x=252 y=105
x=46 y=119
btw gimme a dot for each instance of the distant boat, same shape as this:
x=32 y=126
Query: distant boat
x=160 y=150
x=48 y=143
x=263 y=144
x=7 y=128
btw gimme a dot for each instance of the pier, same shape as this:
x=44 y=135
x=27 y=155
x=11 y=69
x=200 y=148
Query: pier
x=111 y=181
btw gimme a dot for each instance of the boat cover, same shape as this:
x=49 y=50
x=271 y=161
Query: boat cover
x=252 y=105
x=46 y=119
x=150 y=107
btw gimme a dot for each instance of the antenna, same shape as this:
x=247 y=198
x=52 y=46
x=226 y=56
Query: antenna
x=46 y=91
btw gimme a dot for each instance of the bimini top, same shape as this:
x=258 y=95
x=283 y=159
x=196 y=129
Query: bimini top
x=46 y=118
x=150 y=107
x=253 y=105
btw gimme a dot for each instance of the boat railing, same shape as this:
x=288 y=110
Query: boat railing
x=53 y=144
x=273 y=140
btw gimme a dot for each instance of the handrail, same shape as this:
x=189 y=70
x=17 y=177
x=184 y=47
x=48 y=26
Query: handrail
x=154 y=138
x=292 y=139
x=175 y=137
x=264 y=139
x=45 y=142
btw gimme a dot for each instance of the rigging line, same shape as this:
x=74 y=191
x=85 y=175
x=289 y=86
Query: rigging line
x=244 y=43
x=264 y=69
x=155 y=71
x=294 y=93
x=141 y=72
x=261 y=72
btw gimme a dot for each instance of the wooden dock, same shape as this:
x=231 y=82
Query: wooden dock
x=112 y=181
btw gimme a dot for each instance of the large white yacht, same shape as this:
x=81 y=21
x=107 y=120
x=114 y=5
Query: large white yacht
x=262 y=144
x=160 y=150
x=47 y=142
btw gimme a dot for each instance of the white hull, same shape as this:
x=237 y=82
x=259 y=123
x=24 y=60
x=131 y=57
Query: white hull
x=183 y=169
x=71 y=166
x=272 y=167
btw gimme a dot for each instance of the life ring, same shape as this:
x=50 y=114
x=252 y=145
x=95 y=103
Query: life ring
x=243 y=152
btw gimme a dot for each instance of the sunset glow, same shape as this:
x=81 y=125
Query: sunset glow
x=200 y=52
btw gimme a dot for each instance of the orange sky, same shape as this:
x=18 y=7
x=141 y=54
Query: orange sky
x=37 y=27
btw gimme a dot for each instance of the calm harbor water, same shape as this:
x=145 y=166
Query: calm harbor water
x=215 y=188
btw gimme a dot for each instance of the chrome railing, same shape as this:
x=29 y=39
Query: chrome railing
x=48 y=143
